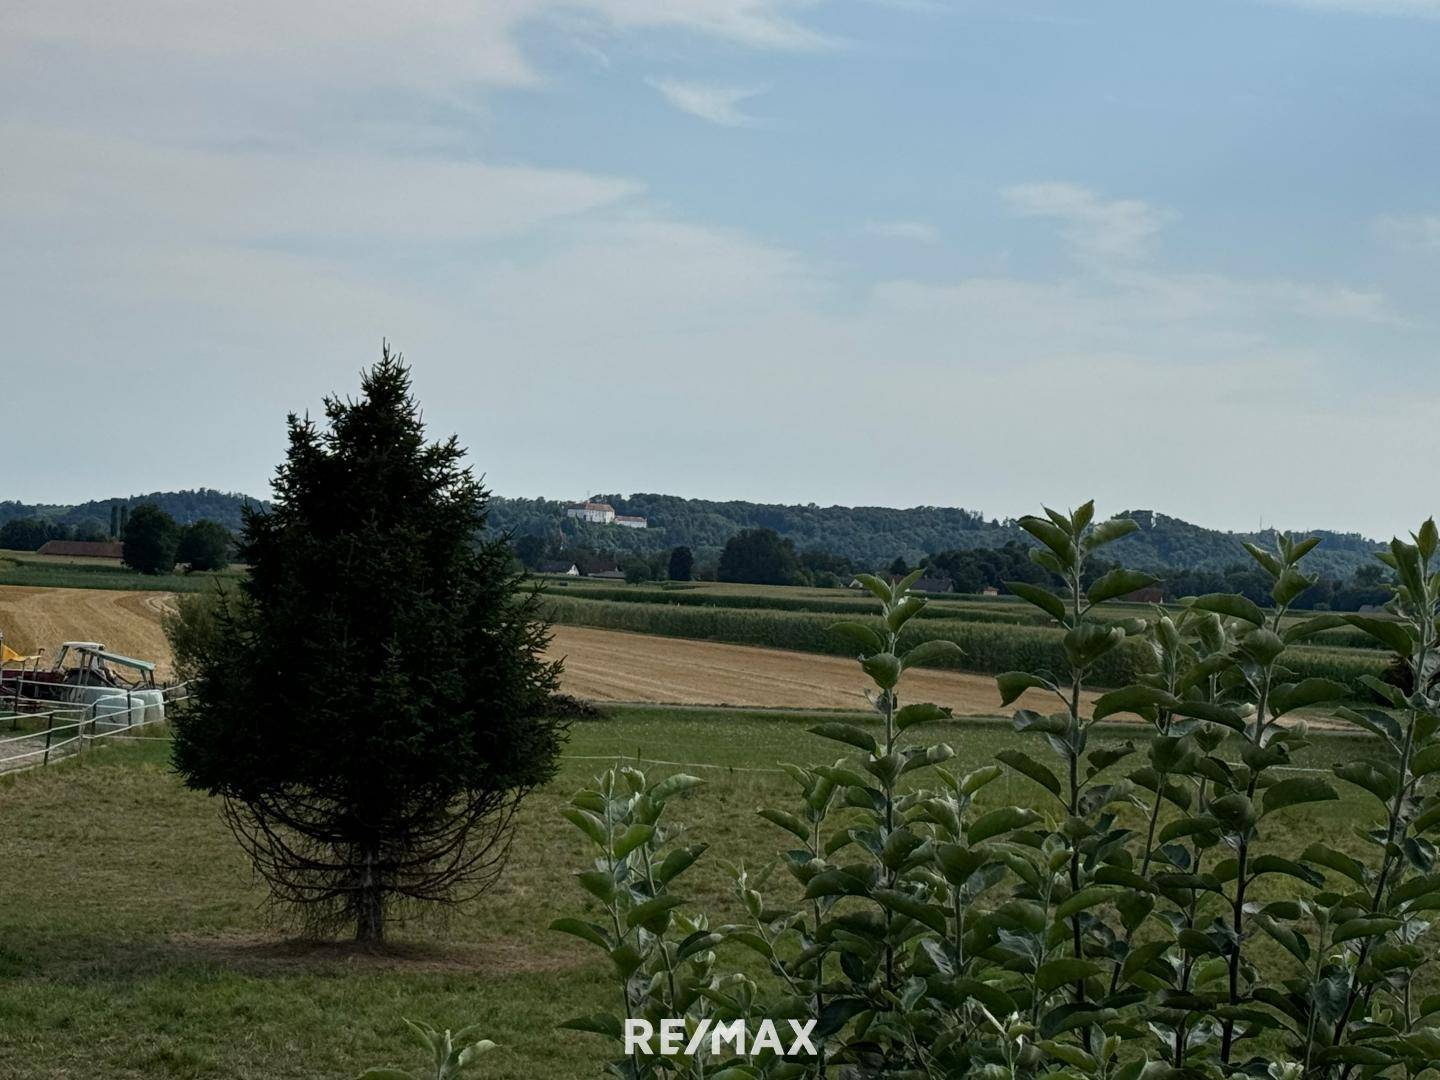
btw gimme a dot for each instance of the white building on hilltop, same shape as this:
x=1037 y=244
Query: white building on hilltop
x=600 y=513
x=597 y=513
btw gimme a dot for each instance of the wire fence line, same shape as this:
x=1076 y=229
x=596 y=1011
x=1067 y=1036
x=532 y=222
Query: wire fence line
x=59 y=730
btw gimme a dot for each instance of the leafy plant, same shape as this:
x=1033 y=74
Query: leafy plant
x=451 y=1054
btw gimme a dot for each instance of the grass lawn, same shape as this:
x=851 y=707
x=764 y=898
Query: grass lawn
x=134 y=943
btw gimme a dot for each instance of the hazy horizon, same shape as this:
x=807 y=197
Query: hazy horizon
x=724 y=248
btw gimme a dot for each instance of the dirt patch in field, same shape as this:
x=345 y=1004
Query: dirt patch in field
x=611 y=665
x=126 y=621
x=261 y=952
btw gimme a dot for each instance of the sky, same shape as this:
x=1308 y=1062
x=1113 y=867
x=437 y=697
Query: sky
x=1177 y=255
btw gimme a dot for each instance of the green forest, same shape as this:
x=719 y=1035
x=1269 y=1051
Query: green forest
x=869 y=536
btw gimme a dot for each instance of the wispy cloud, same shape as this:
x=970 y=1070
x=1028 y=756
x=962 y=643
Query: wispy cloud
x=716 y=102
x=1099 y=227
x=1410 y=231
x=920 y=232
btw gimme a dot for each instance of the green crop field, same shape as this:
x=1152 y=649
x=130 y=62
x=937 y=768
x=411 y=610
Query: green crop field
x=36 y=571
x=988 y=647
x=135 y=943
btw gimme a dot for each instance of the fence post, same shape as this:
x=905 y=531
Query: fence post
x=49 y=728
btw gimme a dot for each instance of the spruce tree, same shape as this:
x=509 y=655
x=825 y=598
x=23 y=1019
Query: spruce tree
x=372 y=705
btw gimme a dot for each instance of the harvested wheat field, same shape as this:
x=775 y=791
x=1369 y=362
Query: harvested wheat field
x=603 y=665
x=611 y=665
x=125 y=621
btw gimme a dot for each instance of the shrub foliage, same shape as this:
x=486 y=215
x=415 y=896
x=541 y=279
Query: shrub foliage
x=1140 y=925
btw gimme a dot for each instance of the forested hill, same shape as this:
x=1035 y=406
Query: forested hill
x=184 y=506
x=874 y=535
x=869 y=535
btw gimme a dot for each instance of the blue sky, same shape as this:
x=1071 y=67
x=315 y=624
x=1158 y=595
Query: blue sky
x=1177 y=255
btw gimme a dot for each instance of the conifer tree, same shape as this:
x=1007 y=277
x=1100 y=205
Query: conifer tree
x=372 y=705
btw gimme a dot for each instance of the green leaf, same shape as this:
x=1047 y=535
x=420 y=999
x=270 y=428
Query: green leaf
x=1231 y=605
x=674 y=785
x=859 y=636
x=677 y=861
x=632 y=838
x=1393 y=635
x=901 y=587
x=1225 y=715
x=1298 y=790
x=584 y=931
x=1290 y=585
x=1262 y=645
x=959 y=864
x=652 y=913
x=1024 y=763
x=1088 y=642
x=1051 y=535
x=1042 y=598
x=1364 y=774
x=598 y=884
x=596 y=1024
x=1084 y=899
x=1014 y=683
x=1132 y=699
x=834 y=882
x=1264 y=558
x=1234 y=812
x=845 y=733
x=1364 y=927
x=1310 y=627
x=884 y=668
x=1426 y=761
x=922 y=713
x=789 y=822
x=1427 y=539
x=1058 y=973
x=907 y=905
x=1288 y=697
x=935 y=652
x=587 y=823
x=1338 y=861
x=903 y=611
x=876 y=586
x=1275 y=864
x=1107 y=532
x=1002 y=820
x=1118 y=582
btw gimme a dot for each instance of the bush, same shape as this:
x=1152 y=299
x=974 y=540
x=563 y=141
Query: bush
x=1123 y=932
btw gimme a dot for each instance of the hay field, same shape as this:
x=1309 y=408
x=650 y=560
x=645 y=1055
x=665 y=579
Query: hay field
x=604 y=665
x=611 y=665
x=127 y=621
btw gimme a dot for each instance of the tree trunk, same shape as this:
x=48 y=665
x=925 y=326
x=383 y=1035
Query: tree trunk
x=370 y=903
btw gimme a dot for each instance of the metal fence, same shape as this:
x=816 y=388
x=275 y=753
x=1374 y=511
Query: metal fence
x=56 y=730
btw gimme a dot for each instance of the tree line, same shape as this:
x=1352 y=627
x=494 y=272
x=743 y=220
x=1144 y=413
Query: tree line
x=762 y=556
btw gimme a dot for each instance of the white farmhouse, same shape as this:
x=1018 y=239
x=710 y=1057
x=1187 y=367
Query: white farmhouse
x=597 y=513
x=630 y=521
